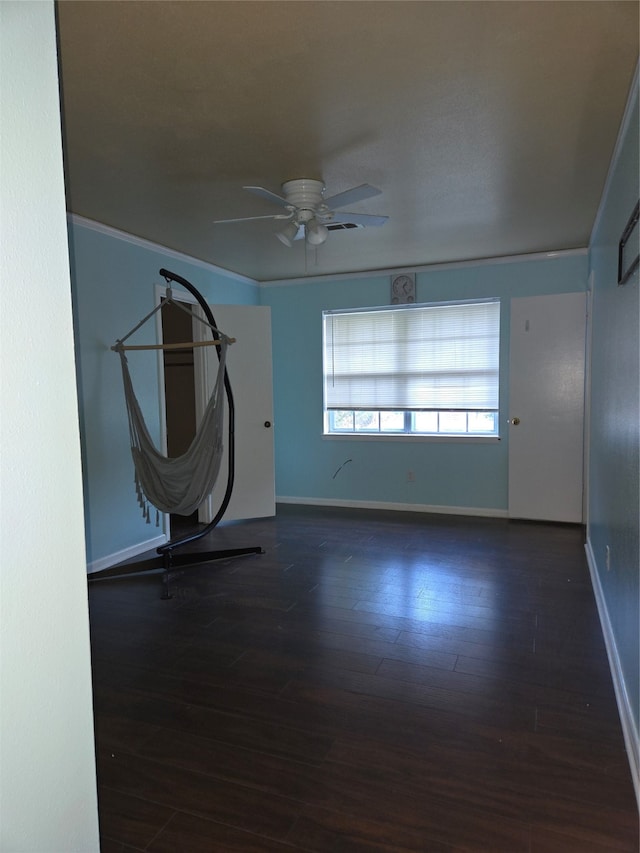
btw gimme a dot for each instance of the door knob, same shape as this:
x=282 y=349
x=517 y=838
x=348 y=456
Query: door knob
x=267 y=424
x=514 y=421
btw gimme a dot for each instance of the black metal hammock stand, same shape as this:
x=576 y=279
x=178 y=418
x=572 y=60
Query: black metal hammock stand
x=169 y=557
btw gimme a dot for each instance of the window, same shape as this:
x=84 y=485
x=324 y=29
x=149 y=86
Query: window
x=428 y=369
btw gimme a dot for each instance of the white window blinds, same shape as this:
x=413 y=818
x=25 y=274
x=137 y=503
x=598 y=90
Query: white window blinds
x=419 y=357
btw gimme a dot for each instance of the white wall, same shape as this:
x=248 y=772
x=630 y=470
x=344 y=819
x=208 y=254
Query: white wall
x=47 y=768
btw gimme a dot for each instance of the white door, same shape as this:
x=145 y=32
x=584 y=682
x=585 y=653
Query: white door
x=249 y=368
x=546 y=407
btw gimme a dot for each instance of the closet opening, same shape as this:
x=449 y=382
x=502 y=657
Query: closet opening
x=179 y=390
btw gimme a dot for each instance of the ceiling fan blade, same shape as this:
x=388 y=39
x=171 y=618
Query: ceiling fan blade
x=263 y=193
x=359 y=219
x=249 y=218
x=352 y=196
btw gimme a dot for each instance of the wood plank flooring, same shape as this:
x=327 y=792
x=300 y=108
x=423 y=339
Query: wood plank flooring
x=373 y=682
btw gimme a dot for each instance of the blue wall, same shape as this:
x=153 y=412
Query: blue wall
x=447 y=473
x=113 y=289
x=615 y=414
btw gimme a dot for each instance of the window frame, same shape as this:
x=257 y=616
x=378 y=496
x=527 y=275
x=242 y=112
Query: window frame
x=408 y=432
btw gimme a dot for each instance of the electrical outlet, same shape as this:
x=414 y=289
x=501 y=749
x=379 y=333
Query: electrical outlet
x=411 y=477
x=607 y=558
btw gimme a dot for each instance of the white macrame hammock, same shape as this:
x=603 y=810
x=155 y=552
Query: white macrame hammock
x=176 y=484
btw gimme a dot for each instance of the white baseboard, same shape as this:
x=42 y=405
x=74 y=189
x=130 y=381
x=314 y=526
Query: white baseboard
x=485 y=512
x=625 y=711
x=126 y=554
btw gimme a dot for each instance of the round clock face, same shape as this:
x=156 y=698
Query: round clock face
x=403 y=289
x=402 y=285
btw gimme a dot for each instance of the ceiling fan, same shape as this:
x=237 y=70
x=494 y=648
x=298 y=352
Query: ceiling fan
x=309 y=214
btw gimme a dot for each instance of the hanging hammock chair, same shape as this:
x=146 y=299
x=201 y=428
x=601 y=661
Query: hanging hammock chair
x=180 y=485
x=176 y=485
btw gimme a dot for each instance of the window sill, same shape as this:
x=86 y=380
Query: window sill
x=429 y=439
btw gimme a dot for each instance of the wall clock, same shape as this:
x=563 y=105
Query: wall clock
x=403 y=288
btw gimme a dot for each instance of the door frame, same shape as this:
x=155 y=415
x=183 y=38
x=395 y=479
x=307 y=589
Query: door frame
x=199 y=374
x=202 y=379
x=201 y=384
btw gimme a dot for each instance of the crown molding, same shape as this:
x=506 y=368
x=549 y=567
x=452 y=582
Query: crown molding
x=450 y=265
x=116 y=234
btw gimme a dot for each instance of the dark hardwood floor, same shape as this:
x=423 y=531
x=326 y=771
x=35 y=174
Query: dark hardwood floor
x=373 y=682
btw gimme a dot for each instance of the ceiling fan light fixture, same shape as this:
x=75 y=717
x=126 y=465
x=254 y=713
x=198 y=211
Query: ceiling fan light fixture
x=288 y=234
x=309 y=215
x=315 y=232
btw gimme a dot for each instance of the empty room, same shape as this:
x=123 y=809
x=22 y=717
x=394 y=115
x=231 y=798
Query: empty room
x=320 y=440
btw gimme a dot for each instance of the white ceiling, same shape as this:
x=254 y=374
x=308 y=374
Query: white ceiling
x=488 y=126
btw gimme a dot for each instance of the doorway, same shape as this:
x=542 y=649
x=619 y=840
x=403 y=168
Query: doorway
x=179 y=391
x=188 y=383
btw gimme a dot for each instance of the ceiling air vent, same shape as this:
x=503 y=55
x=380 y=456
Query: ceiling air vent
x=342 y=226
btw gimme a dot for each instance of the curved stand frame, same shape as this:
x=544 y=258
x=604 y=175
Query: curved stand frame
x=169 y=559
